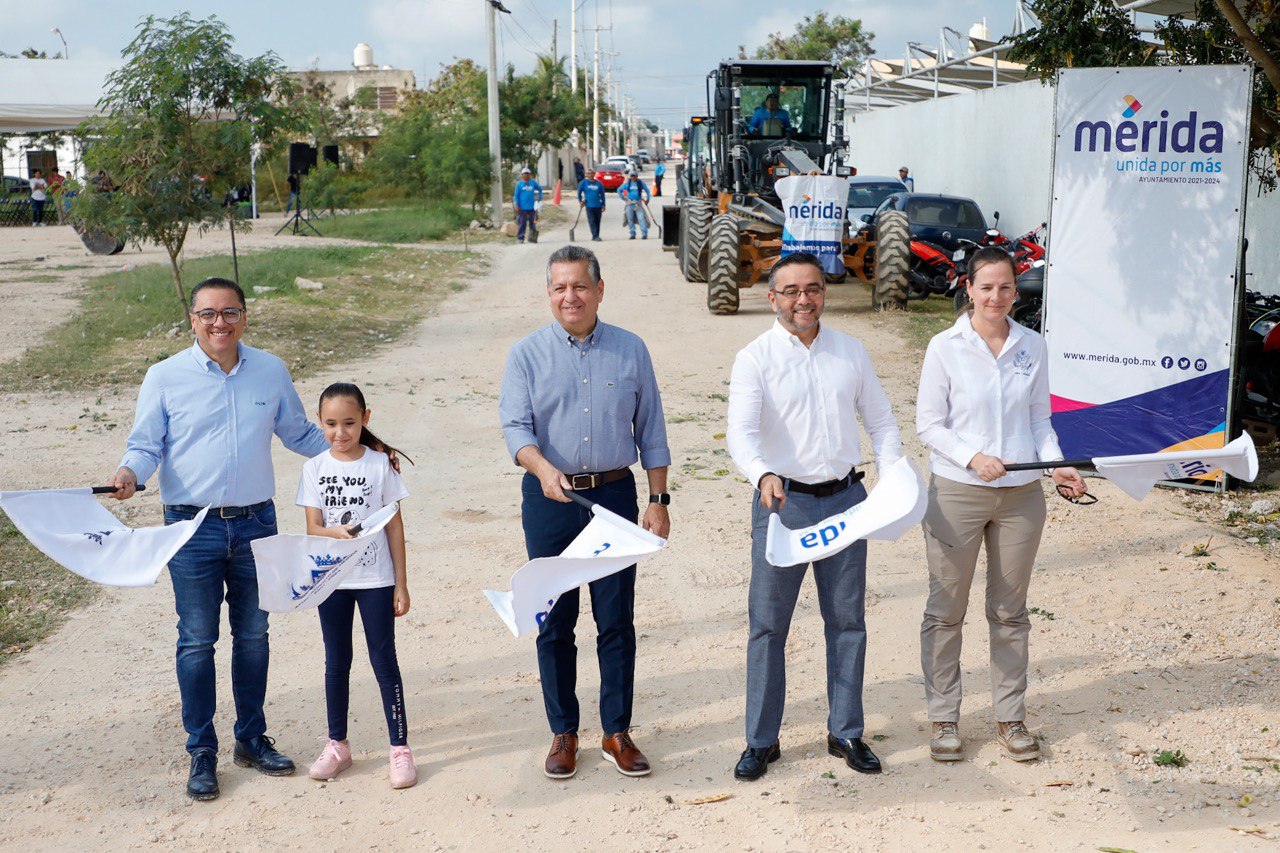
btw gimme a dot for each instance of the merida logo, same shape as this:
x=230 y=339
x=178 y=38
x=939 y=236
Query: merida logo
x=1185 y=136
x=830 y=210
x=325 y=561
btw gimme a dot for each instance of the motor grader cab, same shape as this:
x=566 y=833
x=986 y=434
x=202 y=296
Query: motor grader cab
x=769 y=119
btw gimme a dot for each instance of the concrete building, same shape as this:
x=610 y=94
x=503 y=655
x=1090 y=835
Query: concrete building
x=373 y=90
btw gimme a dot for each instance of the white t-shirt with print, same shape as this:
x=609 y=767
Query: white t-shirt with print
x=348 y=492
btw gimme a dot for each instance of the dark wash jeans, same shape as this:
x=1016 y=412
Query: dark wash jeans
x=217 y=563
x=549 y=527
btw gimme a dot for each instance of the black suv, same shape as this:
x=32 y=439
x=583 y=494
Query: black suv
x=943 y=220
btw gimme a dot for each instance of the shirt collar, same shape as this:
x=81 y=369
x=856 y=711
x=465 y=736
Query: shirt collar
x=963 y=328
x=208 y=365
x=791 y=340
x=591 y=340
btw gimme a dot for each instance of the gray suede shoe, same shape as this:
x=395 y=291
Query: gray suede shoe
x=1019 y=744
x=945 y=745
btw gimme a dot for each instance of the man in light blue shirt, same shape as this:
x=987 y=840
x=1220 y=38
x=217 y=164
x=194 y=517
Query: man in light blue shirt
x=204 y=420
x=579 y=405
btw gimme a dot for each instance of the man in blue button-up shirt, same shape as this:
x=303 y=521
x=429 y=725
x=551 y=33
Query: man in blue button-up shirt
x=579 y=405
x=204 y=420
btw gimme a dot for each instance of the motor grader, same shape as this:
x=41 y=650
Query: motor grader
x=726 y=227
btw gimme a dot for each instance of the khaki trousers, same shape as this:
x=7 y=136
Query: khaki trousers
x=960 y=518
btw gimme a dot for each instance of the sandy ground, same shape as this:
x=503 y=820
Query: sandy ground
x=1145 y=649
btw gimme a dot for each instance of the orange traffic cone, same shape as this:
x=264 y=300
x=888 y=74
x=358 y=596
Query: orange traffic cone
x=556 y=198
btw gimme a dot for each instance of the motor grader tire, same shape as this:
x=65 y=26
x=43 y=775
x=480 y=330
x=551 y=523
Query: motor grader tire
x=722 y=265
x=961 y=300
x=699 y=215
x=893 y=258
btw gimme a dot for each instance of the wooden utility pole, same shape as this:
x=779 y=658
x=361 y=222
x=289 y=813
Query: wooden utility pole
x=493 y=7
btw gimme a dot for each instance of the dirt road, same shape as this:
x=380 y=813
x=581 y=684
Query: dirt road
x=1135 y=648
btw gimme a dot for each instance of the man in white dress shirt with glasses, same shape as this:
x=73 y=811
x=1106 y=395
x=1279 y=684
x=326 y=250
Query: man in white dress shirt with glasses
x=795 y=398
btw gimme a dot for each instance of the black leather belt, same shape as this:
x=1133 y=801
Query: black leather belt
x=827 y=489
x=578 y=482
x=219 y=511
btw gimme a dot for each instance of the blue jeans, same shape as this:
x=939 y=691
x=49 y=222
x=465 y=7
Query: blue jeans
x=593 y=221
x=549 y=527
x=842 y=582
x=524 y=220
x=217 y=563
x=635 y=216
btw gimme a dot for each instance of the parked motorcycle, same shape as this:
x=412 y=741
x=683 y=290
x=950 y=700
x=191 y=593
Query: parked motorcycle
x=1259 y=369
x=1028 y=260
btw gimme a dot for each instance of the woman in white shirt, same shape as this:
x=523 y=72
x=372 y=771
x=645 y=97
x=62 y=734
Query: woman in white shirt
x=984 y=400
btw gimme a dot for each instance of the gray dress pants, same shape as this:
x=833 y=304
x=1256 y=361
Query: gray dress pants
x=841 y=580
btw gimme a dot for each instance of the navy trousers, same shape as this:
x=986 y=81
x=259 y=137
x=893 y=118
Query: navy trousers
x=549 y=527
x=594 y=215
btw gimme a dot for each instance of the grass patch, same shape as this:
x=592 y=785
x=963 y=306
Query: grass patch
x=126 y=319
x=35 y=592
x=925 y=318
x=410 y=224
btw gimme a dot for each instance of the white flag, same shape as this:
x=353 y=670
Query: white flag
x=895 y=505
x=608 y=544
x=73 y=529
x=296 y=571
x=1136 y=474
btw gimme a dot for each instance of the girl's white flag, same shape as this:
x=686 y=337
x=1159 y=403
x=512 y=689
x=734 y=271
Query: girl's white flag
x=296 y=571
x=73 y=529
x=895 y=505
x=608 y=544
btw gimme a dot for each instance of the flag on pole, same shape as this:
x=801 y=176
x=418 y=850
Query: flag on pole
x=296 y=571
x=608 y=544
x=71 y=528
x=1137 y=473
x=895 y=505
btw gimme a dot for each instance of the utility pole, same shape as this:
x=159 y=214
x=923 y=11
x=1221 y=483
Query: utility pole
x=555 y=58
x=595 y=112
x=608 y=93
x=573 y=45
x=492 y=8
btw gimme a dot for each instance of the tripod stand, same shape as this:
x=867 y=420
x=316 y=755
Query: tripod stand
x=298 y=221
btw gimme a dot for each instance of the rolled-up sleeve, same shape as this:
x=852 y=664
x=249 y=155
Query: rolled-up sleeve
x=877 y=415
x=743 y=431
x=145 y=446
x=933 y=408
x=650 y=425
x=515 y=406
x=295 y=429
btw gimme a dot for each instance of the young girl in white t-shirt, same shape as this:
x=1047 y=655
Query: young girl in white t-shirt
x=340 y=488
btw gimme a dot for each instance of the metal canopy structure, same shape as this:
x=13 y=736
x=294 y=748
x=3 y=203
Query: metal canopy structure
x=959 y=63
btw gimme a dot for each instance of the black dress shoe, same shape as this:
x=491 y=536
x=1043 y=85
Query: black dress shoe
x=755 y=761
x=260 y=752
x=202 y=783
x=855 y=753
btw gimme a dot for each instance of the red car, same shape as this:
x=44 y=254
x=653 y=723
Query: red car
x=610 y=177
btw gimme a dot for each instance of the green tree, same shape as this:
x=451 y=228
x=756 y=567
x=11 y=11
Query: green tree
x=837 y=39
x=179 y=119
x=538 y=110
x=1089 y=33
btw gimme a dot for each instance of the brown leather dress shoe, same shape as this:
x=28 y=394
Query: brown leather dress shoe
x=562 y=760
x=622 y=753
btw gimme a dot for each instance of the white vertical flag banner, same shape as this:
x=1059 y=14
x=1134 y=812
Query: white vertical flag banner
x=815 y=209
x=608 y=544
x=1148 y=192
x=895 y=505
x=297 y=572
x=71 y=528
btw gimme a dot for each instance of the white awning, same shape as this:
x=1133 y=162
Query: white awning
x=38 y=95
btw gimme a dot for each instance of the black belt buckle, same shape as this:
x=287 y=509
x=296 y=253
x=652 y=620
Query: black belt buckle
x=585 y=481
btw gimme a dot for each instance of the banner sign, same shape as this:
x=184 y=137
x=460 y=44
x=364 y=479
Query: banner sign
x=1148 y=191
x=895 y=505
x=297 y=572
x=815 y=209
x=71 y=528
x=608 y=544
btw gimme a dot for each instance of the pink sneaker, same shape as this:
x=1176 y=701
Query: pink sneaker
x=403 y=772
x=335 y=758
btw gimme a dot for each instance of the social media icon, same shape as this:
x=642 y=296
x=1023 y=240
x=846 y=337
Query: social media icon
x=1202 y=365
x=1184 y=363
x=1166 y=362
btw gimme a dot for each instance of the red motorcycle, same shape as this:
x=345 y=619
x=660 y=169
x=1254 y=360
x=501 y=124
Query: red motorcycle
x=1026 y=250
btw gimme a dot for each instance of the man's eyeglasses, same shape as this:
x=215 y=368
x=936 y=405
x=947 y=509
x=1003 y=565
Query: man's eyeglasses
x=231 y=316
x=793 y=293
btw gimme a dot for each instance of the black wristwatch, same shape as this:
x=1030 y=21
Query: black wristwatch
x=664 y=499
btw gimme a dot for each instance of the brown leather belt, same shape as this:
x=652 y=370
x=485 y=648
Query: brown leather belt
x=827 y=489
x=578 y=482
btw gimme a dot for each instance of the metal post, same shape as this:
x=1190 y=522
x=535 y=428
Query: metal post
x=495 y=134
x=595 y=111
x=573 y=45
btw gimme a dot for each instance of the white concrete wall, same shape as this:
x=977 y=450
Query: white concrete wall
x=996 y=147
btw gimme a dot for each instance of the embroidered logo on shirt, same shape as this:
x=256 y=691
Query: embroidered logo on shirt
x=1022 y=362
x=259 y=403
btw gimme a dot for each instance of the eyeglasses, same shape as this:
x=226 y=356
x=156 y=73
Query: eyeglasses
x=793 y=293
x=229 y=315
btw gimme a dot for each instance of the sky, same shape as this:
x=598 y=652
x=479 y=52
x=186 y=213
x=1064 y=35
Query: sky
x=662 y=49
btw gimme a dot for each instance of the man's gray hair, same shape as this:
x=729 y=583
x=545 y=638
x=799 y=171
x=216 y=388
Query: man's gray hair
x=572 y=254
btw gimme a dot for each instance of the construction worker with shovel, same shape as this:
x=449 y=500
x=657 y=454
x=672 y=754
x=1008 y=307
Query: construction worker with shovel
x=634 y=193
